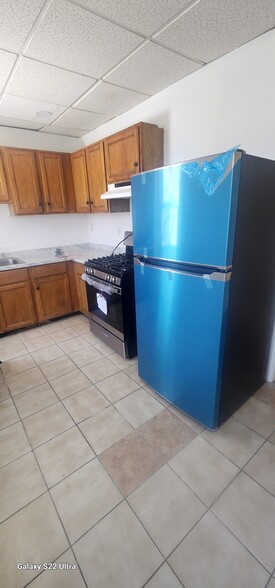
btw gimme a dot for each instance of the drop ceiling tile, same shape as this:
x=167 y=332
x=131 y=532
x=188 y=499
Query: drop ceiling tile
x=25 y=109
x=55 y=130
x=151 y=69
x=211 y=29
x=17 y=19
x=108 y=99
x=7 y=61
x=19 y=124
x=71 y=37
x=80 y=119
x=142 y=16
x=39 y=81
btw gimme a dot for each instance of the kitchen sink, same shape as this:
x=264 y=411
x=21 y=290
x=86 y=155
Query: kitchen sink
x=10 y=261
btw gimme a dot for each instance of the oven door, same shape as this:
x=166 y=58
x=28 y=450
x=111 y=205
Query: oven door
x=105 y=305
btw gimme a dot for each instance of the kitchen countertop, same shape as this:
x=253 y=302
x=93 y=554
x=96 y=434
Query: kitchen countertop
x=77 y=252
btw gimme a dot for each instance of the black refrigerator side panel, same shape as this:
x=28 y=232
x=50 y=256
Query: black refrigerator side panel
x=252 y=295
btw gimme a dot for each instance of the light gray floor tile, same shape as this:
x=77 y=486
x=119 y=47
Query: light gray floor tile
x=25 y=381
x=100 y=369
x=167 y=508
x=120 y=540
x=85 y=356
x=204 y=469
x=8 y=341
x=211 y=556
x=138 y=407
x=18 y=365
x=82 y=329
x=77 y=319
x=70 y=383
x=122 y=362
x=47 y=423
x=20 y=483
x=74 y=344
x=132 y=372
x=47 y=354
x=58 y=367
x=164 y=578
x=266 y=393
x=63 y=335
x=257 y=415
x=8 y=413
x=34 y=534
x=4 y=392
x=271 y=583
x=248 y=511
x=91 y=338
x=186 y=419
x=13 y=443
x=262 y=467
x=156 y=395
x=35 y=399
x=56 y=326
x=30 y=334
x=84 y=498
x=12 y=350
x=104 y=429
x=85 y=403
x=272 y=438
x=58 y=577
x=39 y=343
x=117 y=386
x=103 y=348
x=235 y=441
x=63 y=455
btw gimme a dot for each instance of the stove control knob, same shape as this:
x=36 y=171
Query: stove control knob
x=113 y=279
x=92 y=271
x=108 y=278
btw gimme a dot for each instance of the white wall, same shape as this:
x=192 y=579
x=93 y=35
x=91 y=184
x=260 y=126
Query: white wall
x=34 y=140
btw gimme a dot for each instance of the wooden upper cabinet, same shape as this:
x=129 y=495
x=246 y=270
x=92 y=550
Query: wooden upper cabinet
x=4 y=190
x=23 y=176
x=122 y=155
x=80 y=179
x=52 y=181
x=96 y=176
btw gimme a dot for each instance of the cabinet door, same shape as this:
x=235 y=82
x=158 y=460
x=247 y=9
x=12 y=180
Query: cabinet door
x=52 y=180
x=96 y=177
x=53 y=296
x=80 y=179
x=4 y=192
x=122 y=155
x=80 y=288
x=22 y=170
x=16 y=307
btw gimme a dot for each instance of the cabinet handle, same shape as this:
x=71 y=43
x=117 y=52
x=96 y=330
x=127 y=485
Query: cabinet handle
x=91 y=201
x=49 y=204
x=40 y=203
x=135 y=163
x=87 y=202
x=37 y=287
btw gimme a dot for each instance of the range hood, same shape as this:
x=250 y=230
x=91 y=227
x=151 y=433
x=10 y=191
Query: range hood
x=118 y=190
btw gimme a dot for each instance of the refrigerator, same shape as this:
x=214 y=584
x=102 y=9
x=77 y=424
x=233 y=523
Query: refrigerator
x=204 y=267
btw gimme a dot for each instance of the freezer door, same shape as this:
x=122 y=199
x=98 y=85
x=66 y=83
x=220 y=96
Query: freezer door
x=187 y=212
x=181 y=322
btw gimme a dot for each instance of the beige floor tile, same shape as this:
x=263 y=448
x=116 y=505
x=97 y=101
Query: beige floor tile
x=30 y=334
x=85 y=356
x=57 y=367
x=74 y=344
x=8 y=413
x=167 y=508
x=272 y=438
x=130 y=462
x=82 y=329
x=56 y=326
x=60 y=577
x=212 y=557
x=117 y=386
x=34 y=535
x=85 y=403
x=11 y=351
x=262 y=467
x=235 y=441
x=77 y=319
x=91 y=338
x=18 y=365
x=103 y=348
x=257 y=415
x=13 y=443
x=248 y=511
x=104 y=429
x=157 y=396
x=100 y=369
x=47 y=423
x=35 y=399
x=271 y=583
x=70 y=383
x=38 y=343
x=138 y=407
x=63 y=455
x=132 y=372
x=20 y=483
x=120 y=540
x=204 y=469
x=122 y=362
x=266 y=393
x=186 y=419
x=25 y=381
x=47 y=354
x=84 y=498
x=4 y=392
x=8 y=341
x=166 y=433
x=63 y=335
x=164 y=578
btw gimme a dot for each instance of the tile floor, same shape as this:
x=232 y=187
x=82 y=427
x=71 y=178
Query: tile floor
x=106 y=485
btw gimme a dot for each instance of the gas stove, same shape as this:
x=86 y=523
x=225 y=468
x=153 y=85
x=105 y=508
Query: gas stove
x=110 y=268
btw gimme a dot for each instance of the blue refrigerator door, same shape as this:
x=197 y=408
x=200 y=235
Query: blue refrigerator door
x=181 y=322
x=187 y=212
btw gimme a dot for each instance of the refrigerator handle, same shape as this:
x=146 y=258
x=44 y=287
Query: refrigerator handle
x=214 y=276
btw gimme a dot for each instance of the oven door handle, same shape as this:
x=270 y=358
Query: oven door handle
x=101 y=286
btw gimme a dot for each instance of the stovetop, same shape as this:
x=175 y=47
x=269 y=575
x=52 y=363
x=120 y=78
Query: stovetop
x=111 y=268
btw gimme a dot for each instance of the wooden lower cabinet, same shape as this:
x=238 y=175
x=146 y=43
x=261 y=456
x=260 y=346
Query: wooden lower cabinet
x=80 y=286
x=16 y=303
x=51 y=291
